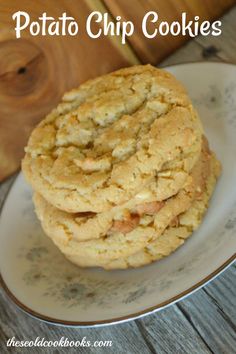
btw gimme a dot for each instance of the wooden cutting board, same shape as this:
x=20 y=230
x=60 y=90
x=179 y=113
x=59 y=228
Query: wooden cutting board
x=154 y=50
x=36 y=71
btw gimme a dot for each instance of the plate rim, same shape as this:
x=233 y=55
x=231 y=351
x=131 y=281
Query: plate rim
x=121 y=319
x=132 y=316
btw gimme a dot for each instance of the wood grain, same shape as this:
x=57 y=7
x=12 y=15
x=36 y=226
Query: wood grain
x=202 y=322
x=36 y=71
x=166 y=331
x=154 y=50
x=225 y=45
x=217 y=290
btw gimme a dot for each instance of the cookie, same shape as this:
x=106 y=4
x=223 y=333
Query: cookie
x=173 y=236
x=110 y=138
x=86 y=226
x=126 y=237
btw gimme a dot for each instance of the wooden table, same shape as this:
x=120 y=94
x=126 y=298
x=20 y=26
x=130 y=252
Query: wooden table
x=205 y=322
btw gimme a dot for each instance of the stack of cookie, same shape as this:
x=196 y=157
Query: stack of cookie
x=121 y=170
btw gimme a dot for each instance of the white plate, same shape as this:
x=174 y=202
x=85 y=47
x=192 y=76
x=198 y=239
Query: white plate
x=47 y=286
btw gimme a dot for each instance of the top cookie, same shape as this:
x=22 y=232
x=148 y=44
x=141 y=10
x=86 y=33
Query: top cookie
x=110 y=137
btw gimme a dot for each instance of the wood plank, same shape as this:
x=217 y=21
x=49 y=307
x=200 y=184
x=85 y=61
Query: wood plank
x=190 y=52
x=169 y=331
x=36 y=71
x=225 y=45
x=154 y=50
x=203 y=314
x=223 y=294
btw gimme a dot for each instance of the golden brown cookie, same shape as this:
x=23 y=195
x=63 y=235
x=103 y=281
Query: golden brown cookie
x=124 y=238
x=86 y=226
x=172 y=237
x=112 y=137
x=175 y=234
